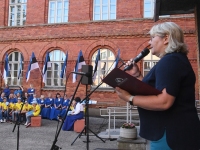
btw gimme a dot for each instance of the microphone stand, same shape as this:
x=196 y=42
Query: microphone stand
x=54 y=146
x=17 y=123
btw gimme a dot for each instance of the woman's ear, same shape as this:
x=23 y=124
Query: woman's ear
x=166 y=39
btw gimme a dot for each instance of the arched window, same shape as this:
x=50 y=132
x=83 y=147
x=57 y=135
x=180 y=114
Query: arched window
x=148 y=63
x=106 y=64
x=15 y=63
x=57 y=58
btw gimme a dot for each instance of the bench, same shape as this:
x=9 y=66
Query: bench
x=36 y=121
x=79 y=125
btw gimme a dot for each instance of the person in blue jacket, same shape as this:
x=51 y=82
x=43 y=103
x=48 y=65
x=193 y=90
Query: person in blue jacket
x=168 y=120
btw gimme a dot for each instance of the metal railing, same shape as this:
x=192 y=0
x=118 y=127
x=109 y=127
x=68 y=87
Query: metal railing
x=117 y=112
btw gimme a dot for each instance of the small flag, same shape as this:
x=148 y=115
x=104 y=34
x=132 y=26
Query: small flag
x=79 y=62
x=97 y=63
x=32 y=65
x=117 y=59
x=20 y=67
x=6 y=68
x=63 y=71
x=47 y=64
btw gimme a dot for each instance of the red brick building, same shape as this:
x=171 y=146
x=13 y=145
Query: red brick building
x=60 y=26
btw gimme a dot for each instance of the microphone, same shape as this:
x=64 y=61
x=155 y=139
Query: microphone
x=143 y=53
x=87 y=74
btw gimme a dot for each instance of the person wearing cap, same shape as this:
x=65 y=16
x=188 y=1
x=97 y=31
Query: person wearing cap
x=4 y=110
x=76 y=114
x=27 y=107
x=16 y=109
x=35 y=112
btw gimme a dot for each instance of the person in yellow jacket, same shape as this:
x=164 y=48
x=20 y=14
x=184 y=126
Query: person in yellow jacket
x=26 y=108
x=16 y=109
x=4 y=110
x=35 y=112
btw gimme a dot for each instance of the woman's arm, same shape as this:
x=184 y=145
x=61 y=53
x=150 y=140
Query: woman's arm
x=159 y=102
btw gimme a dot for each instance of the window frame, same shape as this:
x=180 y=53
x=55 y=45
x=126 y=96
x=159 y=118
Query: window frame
x=55 y=10
x=101 y=13
x=151 y=60
x=13 y=19
x=12 y=64
x=51 y=71
x=108 y=67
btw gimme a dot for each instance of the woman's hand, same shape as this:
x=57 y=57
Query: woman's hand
x=124 y=95
x=134 y=71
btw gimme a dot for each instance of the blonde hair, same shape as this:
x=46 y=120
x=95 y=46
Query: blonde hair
x=176 y=36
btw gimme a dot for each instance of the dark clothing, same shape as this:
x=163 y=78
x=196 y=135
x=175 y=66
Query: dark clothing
x=181 y=122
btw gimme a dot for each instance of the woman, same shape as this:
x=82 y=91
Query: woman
x=76 y=114
x=41 y=102
x=49 y=102
x=65 y=105
x=57 y=107
x=31 y=91
x=169 y=120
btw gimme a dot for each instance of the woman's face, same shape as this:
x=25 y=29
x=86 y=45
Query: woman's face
x=158 y=44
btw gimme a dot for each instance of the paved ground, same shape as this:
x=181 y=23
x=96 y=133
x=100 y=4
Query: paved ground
x=41 y=138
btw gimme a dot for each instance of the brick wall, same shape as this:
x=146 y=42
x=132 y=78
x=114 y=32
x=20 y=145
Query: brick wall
x=126 y=33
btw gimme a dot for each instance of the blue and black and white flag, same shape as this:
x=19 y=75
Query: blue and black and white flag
x=79 y=62
x=6 y=68
x=97 y=64
x=63 y=71
x=20 y=67
x=47 y=64
x=117 y=59
x=32 y=65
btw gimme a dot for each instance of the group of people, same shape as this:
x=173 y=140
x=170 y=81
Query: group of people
x=16 y=107
x=21 y=106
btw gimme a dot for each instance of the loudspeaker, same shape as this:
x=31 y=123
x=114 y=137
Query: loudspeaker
x=87 y=80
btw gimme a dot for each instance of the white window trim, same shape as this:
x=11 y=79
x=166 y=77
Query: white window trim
x=11 y=65
x=55 y=9
x=101 y=11
x=22 y=19
x=52 y=70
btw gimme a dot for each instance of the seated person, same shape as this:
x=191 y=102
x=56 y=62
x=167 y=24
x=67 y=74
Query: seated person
x=57 y=107
x=35 y=112
x=49 y=103
x=16 y=109
x=4 y=110
x=65 y=105
x=76 y=114
x=27 y=107
x=41 y=102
